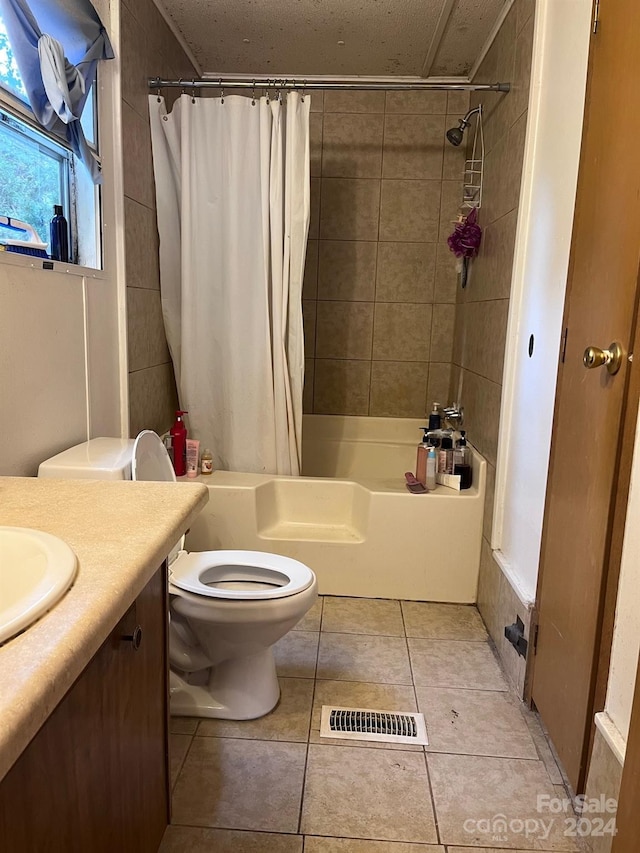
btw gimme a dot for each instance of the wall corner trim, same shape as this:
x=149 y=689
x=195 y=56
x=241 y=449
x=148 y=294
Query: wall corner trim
x=607 y=728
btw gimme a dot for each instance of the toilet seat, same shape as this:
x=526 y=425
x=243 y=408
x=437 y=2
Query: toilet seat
x=239 y=575
x=236 y=575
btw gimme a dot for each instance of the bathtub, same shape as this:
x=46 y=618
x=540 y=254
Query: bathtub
x=350 y=516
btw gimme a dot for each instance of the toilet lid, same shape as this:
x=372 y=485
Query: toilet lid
x=150 y=463
x=240 y=575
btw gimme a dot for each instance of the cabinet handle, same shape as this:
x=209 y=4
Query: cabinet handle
x=135 y=638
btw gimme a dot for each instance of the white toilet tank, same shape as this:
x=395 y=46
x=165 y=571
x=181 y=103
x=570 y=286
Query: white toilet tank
x=96 y=459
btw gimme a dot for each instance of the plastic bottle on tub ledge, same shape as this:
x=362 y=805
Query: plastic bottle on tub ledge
x=421 y=457
x=462 y=461
x=179 y=443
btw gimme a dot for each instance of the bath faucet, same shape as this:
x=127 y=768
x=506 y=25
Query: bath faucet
x=454 y=414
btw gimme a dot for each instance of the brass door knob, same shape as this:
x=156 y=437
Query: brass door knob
x=610 y=358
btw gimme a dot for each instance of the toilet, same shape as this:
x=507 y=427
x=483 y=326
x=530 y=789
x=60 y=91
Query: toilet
x=226 y=608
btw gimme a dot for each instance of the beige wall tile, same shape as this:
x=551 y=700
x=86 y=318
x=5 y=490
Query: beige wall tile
x=142 y=247
x=438 y=387
x=317 y=101
x=434 y=103
x=605 y=778
x=413 y=147
x=341 y=387
x=409 y=211
x=402 y=332
x=398 y=389
x=481 y=400
x=310 y=282
x=489 y=589
x=406 y=272
x=490 y=272
x=442 y=332
x=152 y=399
x=309 y=325
x=489 y=497
x=138 y=168
x=353 y=102
x=314 y=219
x=344 y=330
x=135 y=71
x=457 y=102
x=307 y=394
x=347 y=270
x=350 y=209
x=446 y=283
x=352 y=145
x=315 y=144
x=453 y=164
x=147 y=343
x=451 y=200
x=485 y=337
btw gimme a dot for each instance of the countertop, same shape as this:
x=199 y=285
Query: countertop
x=121 y=532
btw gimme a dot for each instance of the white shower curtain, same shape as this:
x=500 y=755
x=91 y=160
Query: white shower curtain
x=232 y=198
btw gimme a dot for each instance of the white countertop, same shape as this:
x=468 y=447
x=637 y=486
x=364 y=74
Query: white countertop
x=120 y=532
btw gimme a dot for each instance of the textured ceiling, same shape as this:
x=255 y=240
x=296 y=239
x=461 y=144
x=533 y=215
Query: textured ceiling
x=333 y=37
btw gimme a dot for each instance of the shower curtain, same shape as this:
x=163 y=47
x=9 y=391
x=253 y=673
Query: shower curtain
x=232 y=199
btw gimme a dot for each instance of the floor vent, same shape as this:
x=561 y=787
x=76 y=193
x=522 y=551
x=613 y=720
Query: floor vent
x=366 y=724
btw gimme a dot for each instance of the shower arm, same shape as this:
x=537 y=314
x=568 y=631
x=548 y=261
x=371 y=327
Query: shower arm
x=402 y=84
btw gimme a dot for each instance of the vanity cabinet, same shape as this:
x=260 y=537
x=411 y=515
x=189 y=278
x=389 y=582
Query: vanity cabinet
x=95 y=777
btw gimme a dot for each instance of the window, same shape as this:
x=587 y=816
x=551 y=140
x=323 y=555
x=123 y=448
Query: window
x=37 y=171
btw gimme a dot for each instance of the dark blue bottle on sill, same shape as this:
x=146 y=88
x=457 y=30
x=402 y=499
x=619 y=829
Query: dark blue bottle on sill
x=59 y=236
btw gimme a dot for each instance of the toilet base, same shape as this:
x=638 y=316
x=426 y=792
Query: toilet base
x=241 y=689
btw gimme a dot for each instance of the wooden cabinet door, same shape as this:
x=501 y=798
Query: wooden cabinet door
x=95 y=777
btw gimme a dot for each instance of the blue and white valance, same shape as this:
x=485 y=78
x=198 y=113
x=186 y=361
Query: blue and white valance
x=57 y=47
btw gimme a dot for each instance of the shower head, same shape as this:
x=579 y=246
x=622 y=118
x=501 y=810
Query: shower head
x=456 y=134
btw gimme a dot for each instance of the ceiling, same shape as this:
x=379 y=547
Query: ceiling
x=335 y=37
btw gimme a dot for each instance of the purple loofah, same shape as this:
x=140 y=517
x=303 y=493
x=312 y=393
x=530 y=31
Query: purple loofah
x=464 y=242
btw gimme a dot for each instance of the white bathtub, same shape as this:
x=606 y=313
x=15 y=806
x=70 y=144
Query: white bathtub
x=350 y=516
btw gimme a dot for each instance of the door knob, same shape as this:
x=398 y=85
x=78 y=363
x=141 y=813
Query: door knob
x=610 y=358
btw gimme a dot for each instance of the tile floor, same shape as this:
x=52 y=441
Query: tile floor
x=274 y=785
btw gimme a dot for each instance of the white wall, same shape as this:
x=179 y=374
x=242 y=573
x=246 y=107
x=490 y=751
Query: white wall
x=543 y=240
x=626 y=637
x=63 y=335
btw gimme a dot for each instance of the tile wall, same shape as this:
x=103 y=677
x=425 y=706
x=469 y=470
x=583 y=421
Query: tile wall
x=482 y=308
x=148 y=48
x=379 y=291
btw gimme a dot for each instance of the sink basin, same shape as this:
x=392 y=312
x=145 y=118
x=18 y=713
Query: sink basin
x=36 y=569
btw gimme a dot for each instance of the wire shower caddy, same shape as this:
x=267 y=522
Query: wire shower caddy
x=473 y=169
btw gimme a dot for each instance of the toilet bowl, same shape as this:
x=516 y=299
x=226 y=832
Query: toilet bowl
x=226 y=608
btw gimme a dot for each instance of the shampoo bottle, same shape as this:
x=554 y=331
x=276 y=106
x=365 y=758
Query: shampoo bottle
x=435 y=420
x=179 y=442
x=421 y=458
x=431 y=469
x=462 y=464
x=445 y=456
x=59 y=236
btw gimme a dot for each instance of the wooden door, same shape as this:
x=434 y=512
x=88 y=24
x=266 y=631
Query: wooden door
x=584 y=472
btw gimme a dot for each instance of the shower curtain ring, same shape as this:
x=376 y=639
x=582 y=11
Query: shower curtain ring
x=158 y=94
x=221 y=91
x=304 y=83
x=193 y=91
x=182 y=90
x=253 y=94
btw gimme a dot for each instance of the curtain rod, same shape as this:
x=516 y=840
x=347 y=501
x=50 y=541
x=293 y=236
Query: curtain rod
x=366 y=83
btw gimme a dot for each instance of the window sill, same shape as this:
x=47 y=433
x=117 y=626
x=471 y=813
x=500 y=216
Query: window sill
x=31 y=262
